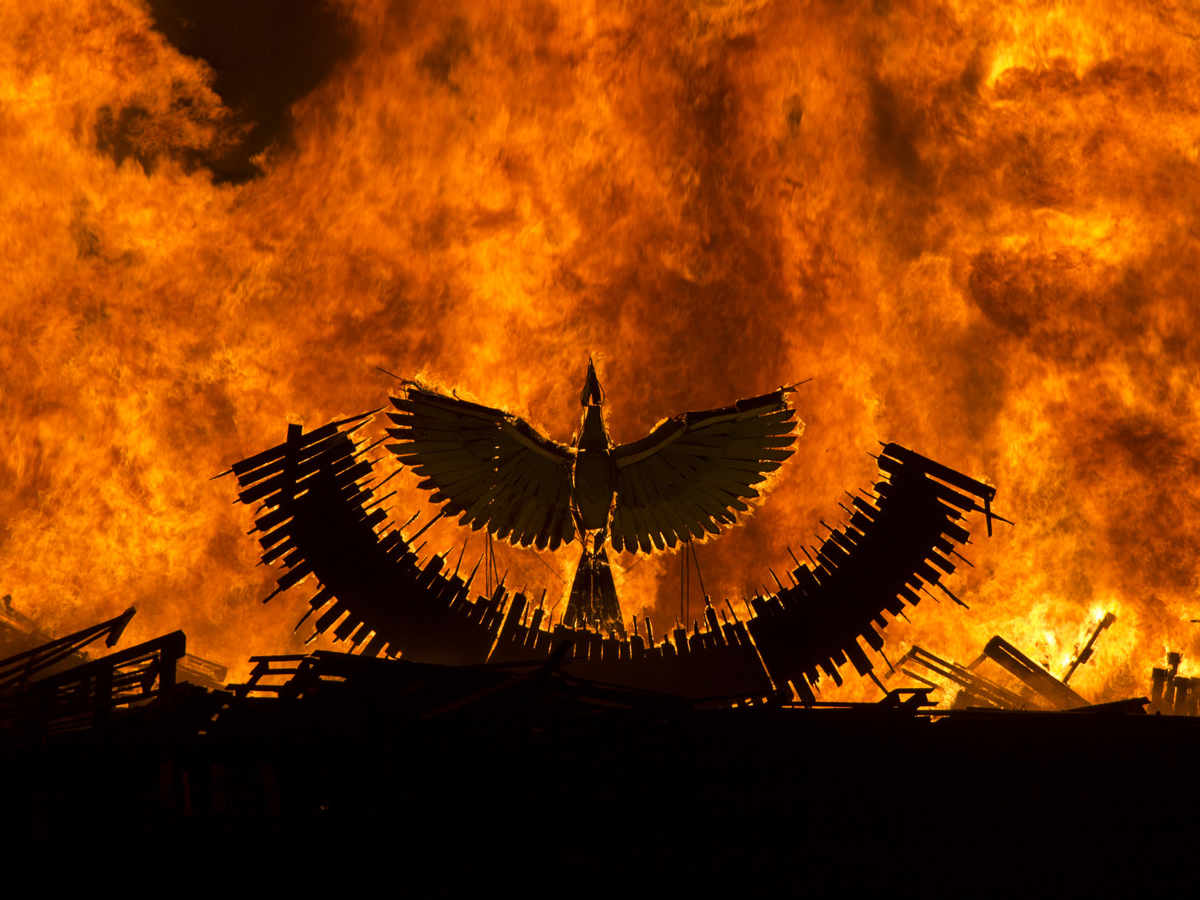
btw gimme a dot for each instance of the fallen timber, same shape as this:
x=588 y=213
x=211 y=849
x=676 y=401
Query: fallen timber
x=318 y=514
x=1038 y=689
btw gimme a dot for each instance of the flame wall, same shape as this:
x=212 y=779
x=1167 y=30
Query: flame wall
x=974 y=225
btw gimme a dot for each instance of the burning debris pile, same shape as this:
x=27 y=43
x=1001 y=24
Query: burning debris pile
x=1033 y=687
x=1172 y=694
x=1039 y=689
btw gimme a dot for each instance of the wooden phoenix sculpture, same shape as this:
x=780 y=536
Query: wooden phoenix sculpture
x=690 y=474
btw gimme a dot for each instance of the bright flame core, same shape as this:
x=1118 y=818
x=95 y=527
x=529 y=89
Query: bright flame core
x=973 y=224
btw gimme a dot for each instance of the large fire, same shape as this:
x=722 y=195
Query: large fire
x=973 y=224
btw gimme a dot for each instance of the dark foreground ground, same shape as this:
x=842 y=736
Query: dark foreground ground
x=421 y=781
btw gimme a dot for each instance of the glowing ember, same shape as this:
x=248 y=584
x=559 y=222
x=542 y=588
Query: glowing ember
x=972 y=226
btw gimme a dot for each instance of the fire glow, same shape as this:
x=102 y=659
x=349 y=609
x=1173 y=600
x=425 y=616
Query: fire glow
x=972 y=225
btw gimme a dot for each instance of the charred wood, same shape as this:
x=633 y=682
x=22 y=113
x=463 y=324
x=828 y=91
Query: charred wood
x=1036 y=678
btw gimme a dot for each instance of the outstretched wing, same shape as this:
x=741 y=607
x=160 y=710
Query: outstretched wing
x=695 y=470
x=489 y=468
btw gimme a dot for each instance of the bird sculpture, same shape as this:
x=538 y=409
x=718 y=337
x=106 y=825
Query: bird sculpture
x=691 y=474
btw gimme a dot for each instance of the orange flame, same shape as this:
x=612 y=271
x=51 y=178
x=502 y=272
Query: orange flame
x=972 y=223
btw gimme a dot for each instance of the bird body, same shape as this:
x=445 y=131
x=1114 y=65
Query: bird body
x=594 y=475
x=594 y=487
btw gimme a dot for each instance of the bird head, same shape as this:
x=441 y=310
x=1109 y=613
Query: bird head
x=592 y=434
x=591 y=395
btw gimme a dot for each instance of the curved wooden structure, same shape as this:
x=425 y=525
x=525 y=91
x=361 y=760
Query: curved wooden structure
x=319 y=515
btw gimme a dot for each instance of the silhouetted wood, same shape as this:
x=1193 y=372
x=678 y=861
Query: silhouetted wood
x=976 y=690
x=892 y=546
x=349 y=760
x=1184 y=703
x=318 y=516
x=316 y=520
x=86 y=695
x=1037 y=679
x=22 y=668
x=593 y=599
x=1171 y=694
x=1086 y=653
